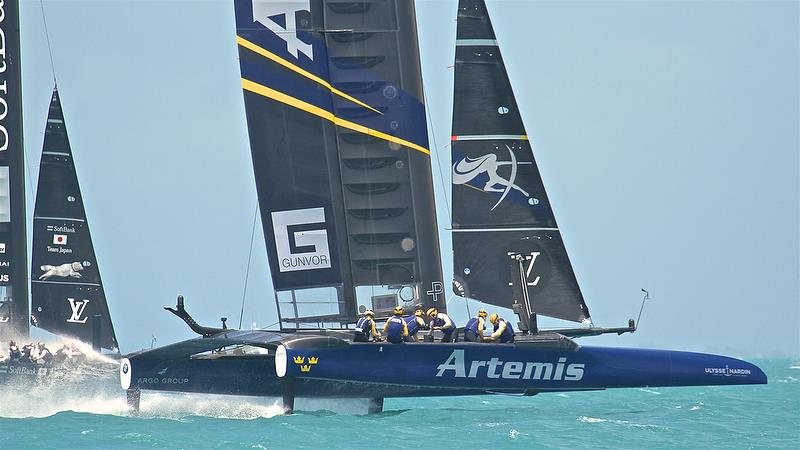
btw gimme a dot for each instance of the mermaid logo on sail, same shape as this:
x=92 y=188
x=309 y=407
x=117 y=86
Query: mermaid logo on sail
x=468 y=169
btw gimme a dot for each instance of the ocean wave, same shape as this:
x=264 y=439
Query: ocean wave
x=626 y=423
x=650 y=391
x=787 y=380
x=492 y=424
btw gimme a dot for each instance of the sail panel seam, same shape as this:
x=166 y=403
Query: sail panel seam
x=56 y=153
x=490 y=137
x=66 y=283
x=472 y=230
x=59 y=218
x=325 y=114
x=476 y=42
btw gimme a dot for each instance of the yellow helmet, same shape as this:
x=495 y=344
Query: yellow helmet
x=399 y=310
x=494 y=318
x=369 y=313
x=418 y=313
x=482 y=313
x=432 y=312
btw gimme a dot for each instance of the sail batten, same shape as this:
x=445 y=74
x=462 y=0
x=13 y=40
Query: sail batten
x=67 y=295
x=500 y=206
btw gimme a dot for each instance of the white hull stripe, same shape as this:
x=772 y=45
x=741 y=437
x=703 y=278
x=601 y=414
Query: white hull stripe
x=490 y=137
x=483 y=42
x=55 y=121
x=56 y=153
x=473 y=230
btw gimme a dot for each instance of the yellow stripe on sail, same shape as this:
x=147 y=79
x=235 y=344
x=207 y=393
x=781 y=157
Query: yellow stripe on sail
x=271 y=56
x=325 y=114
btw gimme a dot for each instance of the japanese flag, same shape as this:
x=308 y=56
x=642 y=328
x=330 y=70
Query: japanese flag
x=60 y=239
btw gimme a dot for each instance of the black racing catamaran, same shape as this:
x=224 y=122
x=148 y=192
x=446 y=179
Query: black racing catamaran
x=67 y=294
x=333 y=95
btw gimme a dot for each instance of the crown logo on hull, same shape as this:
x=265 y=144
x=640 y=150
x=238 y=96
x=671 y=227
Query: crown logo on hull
x=305 y=368
x=299 y=359
x=313 y=359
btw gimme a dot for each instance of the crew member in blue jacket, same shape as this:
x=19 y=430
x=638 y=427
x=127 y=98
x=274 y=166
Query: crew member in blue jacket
x=365 y=328
x=503 y=332
x=414 y=324
x=441 y=321
x=395 y=328
x=473 y=332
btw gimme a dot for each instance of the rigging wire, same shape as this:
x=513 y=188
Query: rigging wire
x=26 y=154
x=435 y=153
x=49 y=48
x=249 y=259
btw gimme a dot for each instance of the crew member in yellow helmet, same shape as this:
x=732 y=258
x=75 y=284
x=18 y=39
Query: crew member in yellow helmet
x=365 y=328
x=473 y=332
x=395 y=328
x=441 y=321
x=503 y=332
x=414 y=323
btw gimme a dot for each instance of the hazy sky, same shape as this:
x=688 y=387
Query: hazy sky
x=666 y=133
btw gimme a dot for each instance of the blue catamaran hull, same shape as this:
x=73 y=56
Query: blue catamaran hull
x=340 y=369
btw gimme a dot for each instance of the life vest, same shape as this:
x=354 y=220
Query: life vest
x=394 y=332
x=439 y=321
x=363 y=329
x=46 y=356
x=412 y=324
x=473 y=324
x=508 y=333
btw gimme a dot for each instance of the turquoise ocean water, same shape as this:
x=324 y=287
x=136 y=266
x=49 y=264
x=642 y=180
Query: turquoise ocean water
x=92 y=414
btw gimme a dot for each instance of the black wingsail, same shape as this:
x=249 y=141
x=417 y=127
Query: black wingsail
x=338 y=137
x=500 y=207
x=13 y=239
x=66 y=292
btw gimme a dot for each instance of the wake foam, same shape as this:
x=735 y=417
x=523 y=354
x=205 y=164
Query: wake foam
x=180 y=406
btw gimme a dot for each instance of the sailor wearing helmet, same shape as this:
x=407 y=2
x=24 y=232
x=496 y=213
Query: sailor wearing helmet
x=414 y=323
x=395 y=328
x=502 y=330
x=365 y=328
x=473 y=332
x=441 y=321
